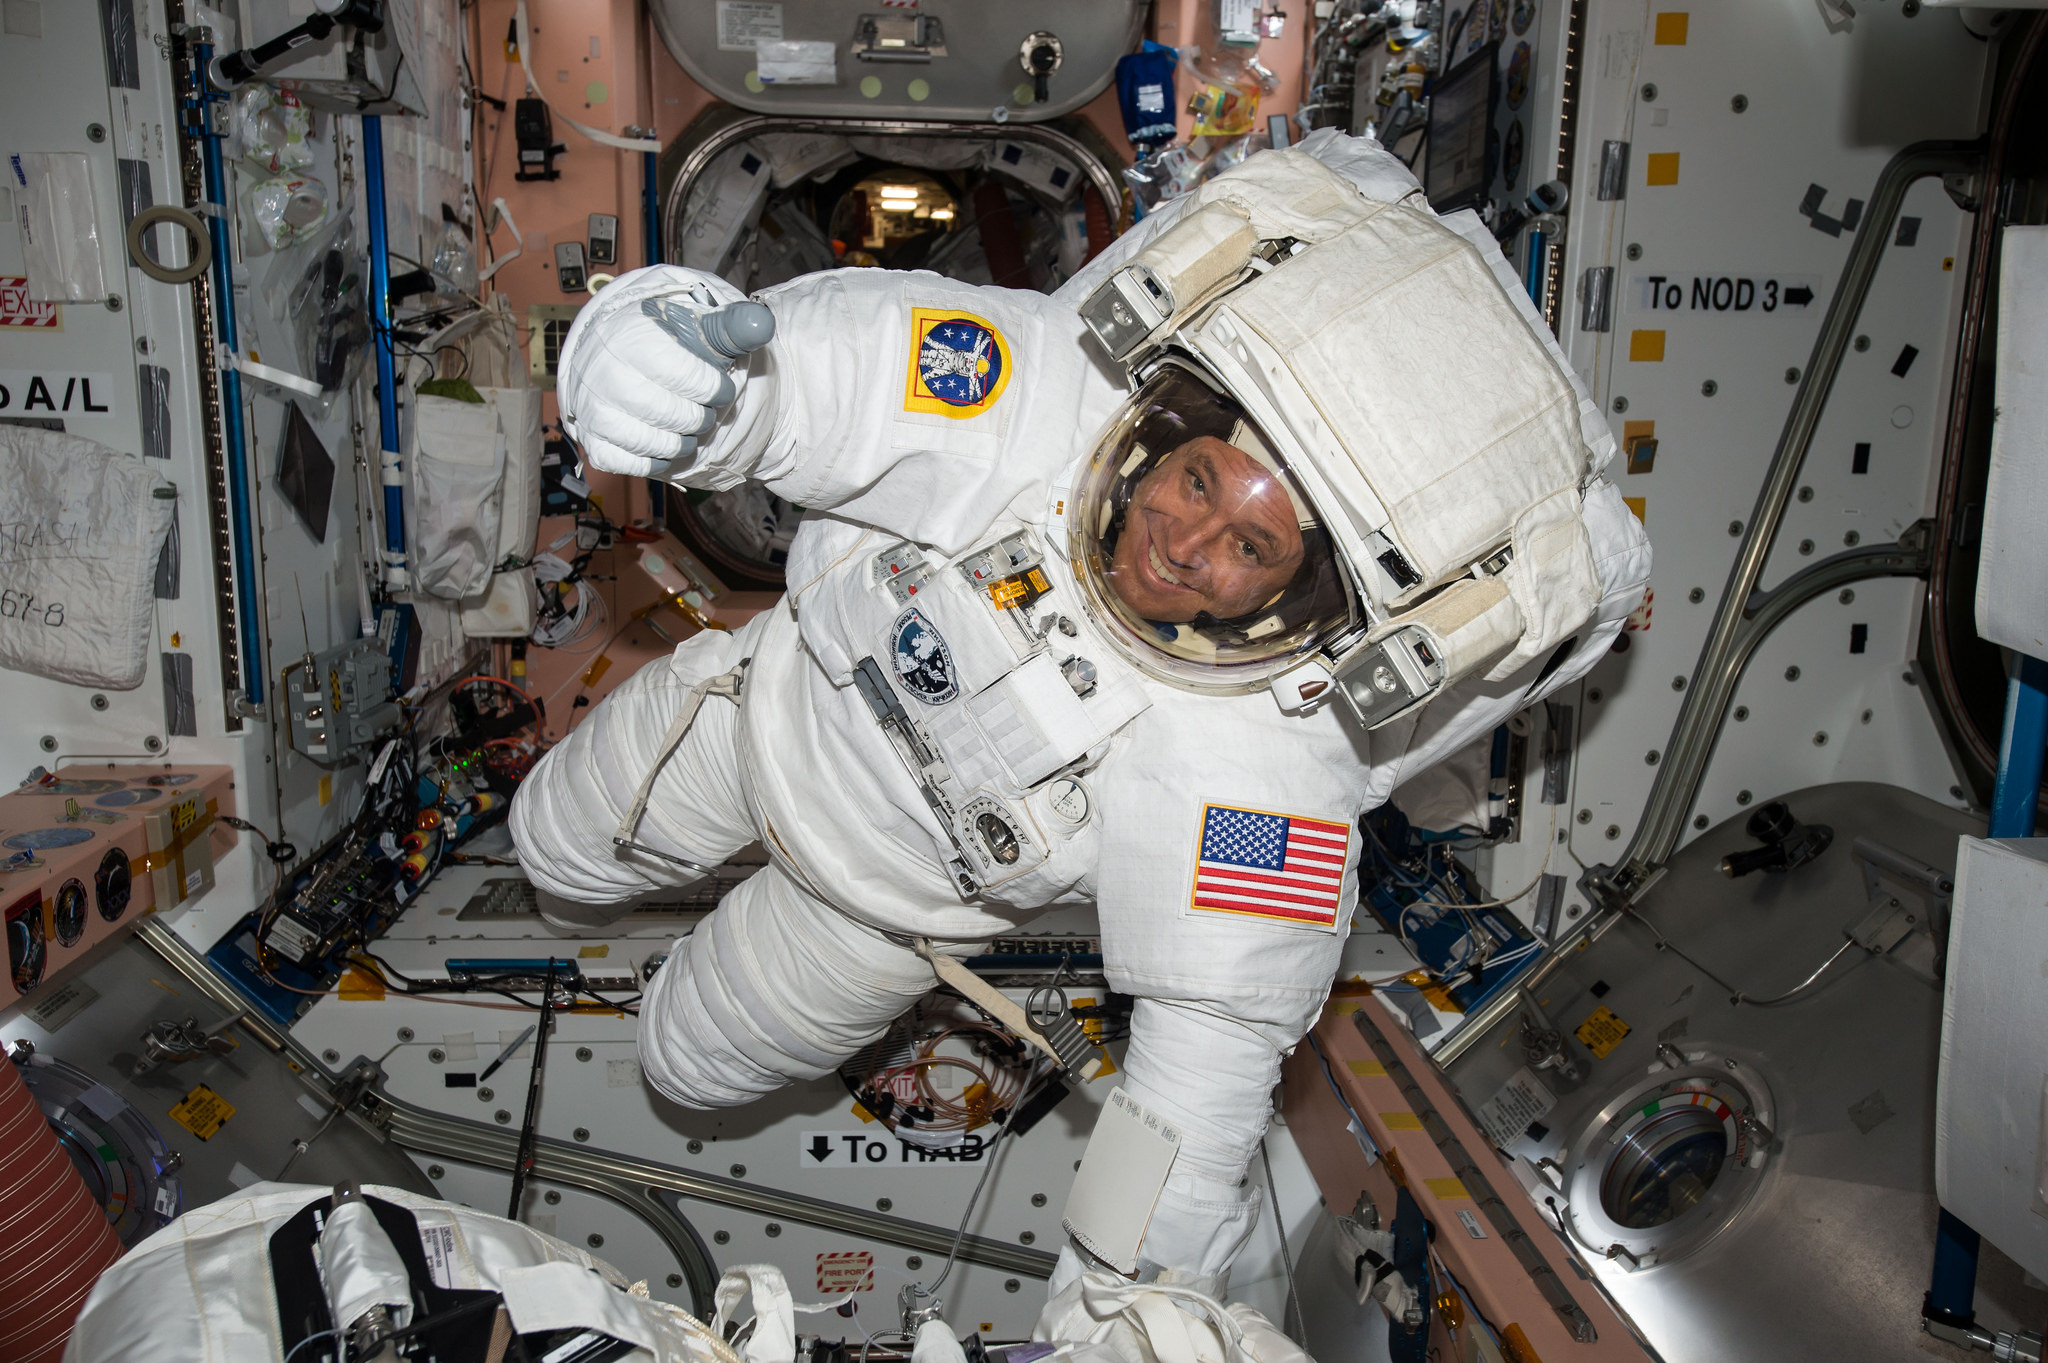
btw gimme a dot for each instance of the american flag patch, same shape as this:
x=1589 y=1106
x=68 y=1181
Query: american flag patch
x=1268 y=865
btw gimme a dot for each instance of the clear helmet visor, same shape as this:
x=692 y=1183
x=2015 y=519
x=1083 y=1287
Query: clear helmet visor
x=1197 y=551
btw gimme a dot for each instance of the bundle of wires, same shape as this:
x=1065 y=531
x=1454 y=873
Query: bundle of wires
x=570 y=609
x=999 y=1075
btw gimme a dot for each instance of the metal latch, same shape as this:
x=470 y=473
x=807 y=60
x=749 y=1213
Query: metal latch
x=898 y=38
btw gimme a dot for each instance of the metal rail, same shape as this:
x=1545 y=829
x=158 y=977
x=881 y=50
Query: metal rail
x=1911 y=556
x=715 y=142
x=1713 y=681
x=635 y=1184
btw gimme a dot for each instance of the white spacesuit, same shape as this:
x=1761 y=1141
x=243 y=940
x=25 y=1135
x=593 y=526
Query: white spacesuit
x=1012 y=669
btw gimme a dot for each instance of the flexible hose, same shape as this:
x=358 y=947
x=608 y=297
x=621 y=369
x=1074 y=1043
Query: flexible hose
x=56 y=1236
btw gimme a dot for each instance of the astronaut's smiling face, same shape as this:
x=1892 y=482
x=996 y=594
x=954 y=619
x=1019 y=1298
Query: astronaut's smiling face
x=1209 y=530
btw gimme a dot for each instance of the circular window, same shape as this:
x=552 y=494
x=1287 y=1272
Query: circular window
x=1669 y=1160
x=1664 y=1167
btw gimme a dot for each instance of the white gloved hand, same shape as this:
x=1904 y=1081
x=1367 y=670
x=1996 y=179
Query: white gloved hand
x=632 y=392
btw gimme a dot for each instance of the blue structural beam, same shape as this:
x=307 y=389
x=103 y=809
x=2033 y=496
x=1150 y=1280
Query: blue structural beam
x=201 y=99
x=387 y=367
x=1952 y=1292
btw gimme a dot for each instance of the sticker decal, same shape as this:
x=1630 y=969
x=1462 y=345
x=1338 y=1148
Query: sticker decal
x=922 y=661
x=1601 y=1032
x=959 y=364
x=1260 y=864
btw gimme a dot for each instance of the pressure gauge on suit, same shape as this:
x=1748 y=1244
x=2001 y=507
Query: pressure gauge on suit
x=1069 y=799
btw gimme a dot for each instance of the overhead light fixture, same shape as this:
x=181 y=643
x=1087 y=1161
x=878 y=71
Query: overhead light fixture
x=899 y=191
x=943 y=214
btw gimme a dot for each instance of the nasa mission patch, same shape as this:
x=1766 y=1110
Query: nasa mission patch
x=922 y=661
x=959 y=364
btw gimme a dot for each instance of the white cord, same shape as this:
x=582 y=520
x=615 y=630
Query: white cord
x=1549 y=845
x=571 y=626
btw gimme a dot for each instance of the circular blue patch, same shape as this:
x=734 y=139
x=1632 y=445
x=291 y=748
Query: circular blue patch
x=923 y=662
x=44 y=839
x=134 y=795
x=960 y=362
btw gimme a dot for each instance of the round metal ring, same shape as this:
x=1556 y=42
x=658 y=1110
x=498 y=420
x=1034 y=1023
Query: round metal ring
x=202 y=244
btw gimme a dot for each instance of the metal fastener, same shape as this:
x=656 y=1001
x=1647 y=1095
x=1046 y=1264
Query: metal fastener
x=1650 y=757
x=1011 y=1284
x=436 y=1171
x=1634 y=252
x=501 y=1116
x=675 y=1280
x=99 y=702
x=1649 y=93
x=1613 y=831
x=1852 y=538
x=1806 y=546
x=1820 y=740
x=915 y=1261
x=331 y=1056
x=883 y=1204
x=153 y=743
x=552 y=1197
x=95 y=132
x=1038 y=1199
x=1696 y=595
x=1862 y=343
x=739 y=1171
x=695 y=1147
x=1806 y=494
x=1585 y=816
x=581 y=1133
x=1678 y=683
x=1792 y=673
x=1792 y=374
x=1709 y=388
x=1734 y=529
x=485 y=1094
x=721 y=1237
x=1741 y=713
x=1848 y=594
x=583 y=1052
x=1621 y=404
x=774 y=1229
x=49 y=743
x=436 y=1056
x=1700 y=822
x=1740 y=104
x=1743 y=797
x=594 y=1240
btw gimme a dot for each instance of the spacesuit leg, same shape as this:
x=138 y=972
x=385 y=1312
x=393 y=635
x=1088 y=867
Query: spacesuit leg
x=569 y=808
x=774 y=986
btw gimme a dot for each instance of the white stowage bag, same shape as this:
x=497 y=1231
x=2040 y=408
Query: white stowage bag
x=81 y=529
x=458 y=468
x=200 y=1290
x=1104 y=1318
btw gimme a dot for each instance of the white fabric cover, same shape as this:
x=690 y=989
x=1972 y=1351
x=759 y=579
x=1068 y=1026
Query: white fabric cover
x=506 y=606
x=796 y=970
x=458 y=466
x=1990 y=1136
x=2012 y=608
x=1164 y=1321
x=200 y=1289
x=81 y=529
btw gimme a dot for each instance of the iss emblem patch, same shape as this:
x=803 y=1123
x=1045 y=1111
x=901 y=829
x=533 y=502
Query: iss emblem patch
x=959 y=364
x=922 y=661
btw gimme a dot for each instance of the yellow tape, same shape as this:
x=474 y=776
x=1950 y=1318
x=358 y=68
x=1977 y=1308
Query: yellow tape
x=1401 y=1121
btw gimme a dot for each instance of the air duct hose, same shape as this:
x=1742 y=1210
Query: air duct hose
x=54 y=1237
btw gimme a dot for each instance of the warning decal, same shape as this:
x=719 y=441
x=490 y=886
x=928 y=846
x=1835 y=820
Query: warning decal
x=1601 y=1032
x=202 y=1112
x=848 y=1271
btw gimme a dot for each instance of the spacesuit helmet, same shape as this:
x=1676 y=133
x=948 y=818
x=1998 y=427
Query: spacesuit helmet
x=1197 y=548
x=1352 y=402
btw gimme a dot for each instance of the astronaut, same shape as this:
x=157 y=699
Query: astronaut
x=1138 y=595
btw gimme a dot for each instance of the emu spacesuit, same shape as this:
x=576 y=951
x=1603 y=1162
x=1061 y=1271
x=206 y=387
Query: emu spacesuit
x=1004 y=676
